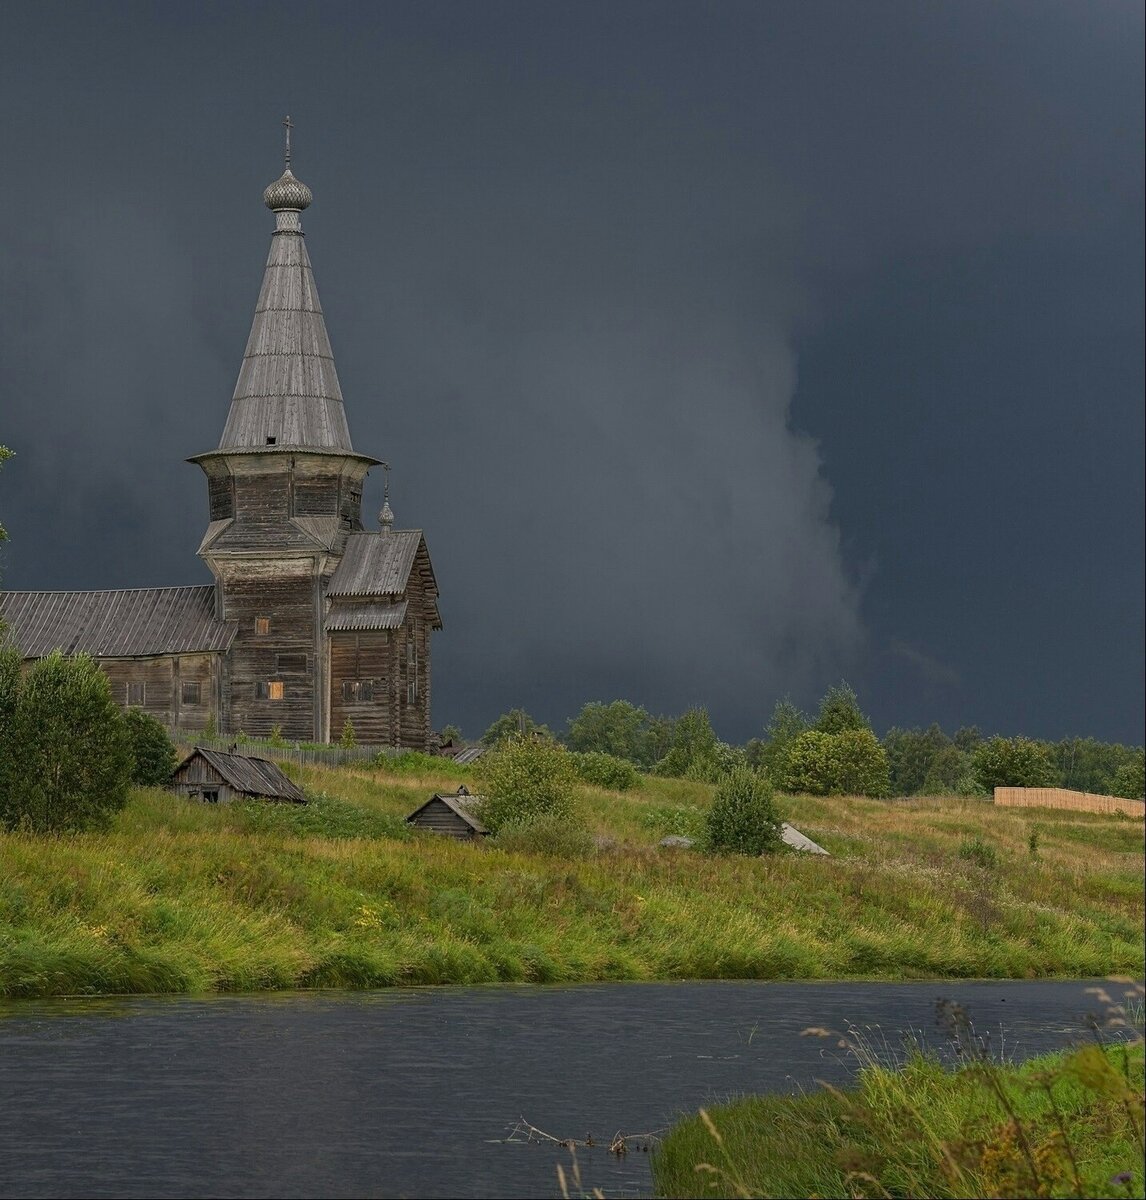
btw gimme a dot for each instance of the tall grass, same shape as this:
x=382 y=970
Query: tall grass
x=186 y=897
x=1068 y=1124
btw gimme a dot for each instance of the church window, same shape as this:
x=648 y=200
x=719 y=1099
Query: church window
x=290 y=664
x=190 y=692
x=355 y=691
x=262 y=626
x=272 y=690
x=136 y=694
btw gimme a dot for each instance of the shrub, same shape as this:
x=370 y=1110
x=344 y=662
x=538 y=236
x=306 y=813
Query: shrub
x=1013 y=762
x=551 y=834
x=984 y=855
x=681 y=820
x=605 y=770
x=524 y=778
x=348 y=741
x=276 y=738
x=152 y=751
x=837 y=764
x=415 y=762
x=742 y=819
x=69 y=753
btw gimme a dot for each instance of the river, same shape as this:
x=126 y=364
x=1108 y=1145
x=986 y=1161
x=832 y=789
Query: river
x=415 y=1092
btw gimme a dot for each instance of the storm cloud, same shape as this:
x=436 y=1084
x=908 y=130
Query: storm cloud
x=720 y=352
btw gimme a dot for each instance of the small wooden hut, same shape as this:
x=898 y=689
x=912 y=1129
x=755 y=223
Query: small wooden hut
x=216 y=777
x=450 y=814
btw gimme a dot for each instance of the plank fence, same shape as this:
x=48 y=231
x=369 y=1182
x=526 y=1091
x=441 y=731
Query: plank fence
x=1017 y=797
x=311 y=755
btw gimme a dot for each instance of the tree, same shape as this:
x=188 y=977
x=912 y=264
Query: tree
x=911 y=755
x=515 y=723
x=695 y=751
x=743 y=819
x=840 y=711
x=1130 y=778
x=526 y=777
x=9 y=700
x=618 y=728
x=152 y=751
x=71 y=762
x=348 y=741
x=851 y=762
x=451 y=734
x=786 y=724
x=1013 y=762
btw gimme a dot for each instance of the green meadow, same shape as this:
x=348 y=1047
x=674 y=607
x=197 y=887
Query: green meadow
x=182 y=897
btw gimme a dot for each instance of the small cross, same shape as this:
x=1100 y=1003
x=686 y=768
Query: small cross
x=289 y=125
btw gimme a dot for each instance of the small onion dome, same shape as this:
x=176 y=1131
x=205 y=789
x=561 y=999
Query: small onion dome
x=287 y=192
x=386 y=517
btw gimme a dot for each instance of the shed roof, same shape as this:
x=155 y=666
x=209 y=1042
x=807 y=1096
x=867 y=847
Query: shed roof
x=253 y=776
x=370 y=615
x=458 y=805
x=134 y=623
x=376 y=564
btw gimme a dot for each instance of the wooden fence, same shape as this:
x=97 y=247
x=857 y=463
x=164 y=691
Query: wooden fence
x=323 y=756
x=1017 y=797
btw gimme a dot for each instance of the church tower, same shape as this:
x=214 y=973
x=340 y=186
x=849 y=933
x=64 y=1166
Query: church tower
x=285 y=495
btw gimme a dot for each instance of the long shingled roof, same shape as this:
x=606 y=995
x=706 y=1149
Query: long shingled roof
x=134 y=623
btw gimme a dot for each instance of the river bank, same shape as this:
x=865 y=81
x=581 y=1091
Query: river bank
x=180 y=897
x=1065 y=1124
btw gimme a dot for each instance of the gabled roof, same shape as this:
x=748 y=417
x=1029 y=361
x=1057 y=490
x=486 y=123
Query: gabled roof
x=252 y=776
x=376 y=564
x=123 y=624
x=458 y=805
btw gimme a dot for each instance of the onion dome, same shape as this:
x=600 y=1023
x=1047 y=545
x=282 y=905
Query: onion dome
x=287 y=193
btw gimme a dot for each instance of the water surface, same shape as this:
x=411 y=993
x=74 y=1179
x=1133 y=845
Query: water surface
x=414 y=1092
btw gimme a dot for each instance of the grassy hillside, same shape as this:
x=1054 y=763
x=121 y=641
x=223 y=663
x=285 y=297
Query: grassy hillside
x=184 y=897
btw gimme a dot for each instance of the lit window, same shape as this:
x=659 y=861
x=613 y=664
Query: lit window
x=269 y=691
x=262 y=625
x=190 y=692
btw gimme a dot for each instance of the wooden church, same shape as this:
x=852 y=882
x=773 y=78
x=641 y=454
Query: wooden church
x=312 y=620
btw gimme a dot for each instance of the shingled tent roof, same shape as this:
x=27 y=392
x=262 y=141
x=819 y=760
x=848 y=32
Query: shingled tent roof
x=123 y=624
x=252 y=776
x=287 y=397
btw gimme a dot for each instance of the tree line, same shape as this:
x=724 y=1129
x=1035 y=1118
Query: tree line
x=835 y=751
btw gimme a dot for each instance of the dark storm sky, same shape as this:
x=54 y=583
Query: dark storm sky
x=721 y=350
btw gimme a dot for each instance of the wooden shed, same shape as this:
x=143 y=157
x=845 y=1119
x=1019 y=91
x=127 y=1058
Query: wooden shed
x=216 y=777
x=450 y=814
